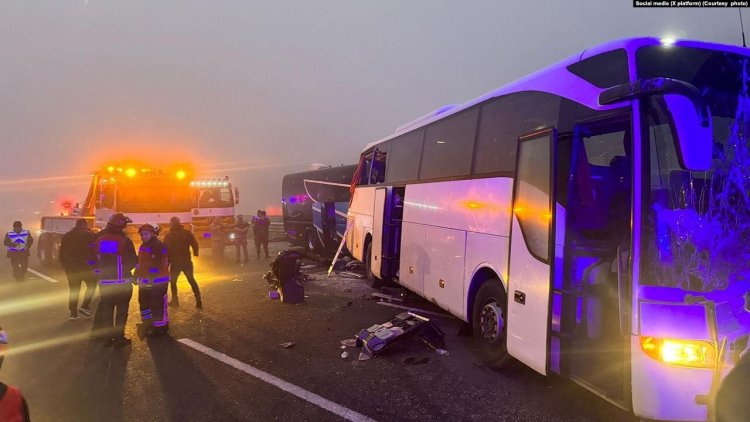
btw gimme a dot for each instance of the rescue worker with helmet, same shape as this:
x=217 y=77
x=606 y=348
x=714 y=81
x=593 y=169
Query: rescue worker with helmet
x=116 y=260
x=179 y=241
x=152 y=273
x=18 y=241
x=13 y=407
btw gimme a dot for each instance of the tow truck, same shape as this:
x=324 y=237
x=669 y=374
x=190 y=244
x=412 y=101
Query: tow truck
x=144 y=194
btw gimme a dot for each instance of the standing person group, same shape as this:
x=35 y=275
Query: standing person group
x=18 y=241
x=261 y=225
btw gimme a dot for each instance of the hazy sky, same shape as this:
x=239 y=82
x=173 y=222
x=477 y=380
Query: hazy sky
x=257 y=89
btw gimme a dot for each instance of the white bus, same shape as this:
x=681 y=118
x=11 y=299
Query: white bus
x=590 y=220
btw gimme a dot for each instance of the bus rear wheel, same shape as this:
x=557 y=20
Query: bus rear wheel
x=489 y=323
x=373 y=281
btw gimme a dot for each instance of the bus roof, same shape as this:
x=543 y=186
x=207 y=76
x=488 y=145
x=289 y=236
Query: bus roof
x=558 y=80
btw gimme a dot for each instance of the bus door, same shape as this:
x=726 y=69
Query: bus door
x=531 y=243
x=386 y=232
x=592 y=288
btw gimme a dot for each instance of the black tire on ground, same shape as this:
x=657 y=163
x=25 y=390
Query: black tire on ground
x=489 y=323
x=373 y=281
x=312 y=242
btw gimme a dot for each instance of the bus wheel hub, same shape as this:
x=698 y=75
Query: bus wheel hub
x=491 y=321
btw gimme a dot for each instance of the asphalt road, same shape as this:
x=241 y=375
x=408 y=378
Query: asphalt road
x=67 y=377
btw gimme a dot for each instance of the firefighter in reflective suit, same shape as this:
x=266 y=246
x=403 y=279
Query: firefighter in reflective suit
x=116 y=260
x=152 y=273
x=13 y=407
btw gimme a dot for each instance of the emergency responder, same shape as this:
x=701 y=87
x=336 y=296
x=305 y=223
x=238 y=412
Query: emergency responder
x=116 y=260
x=179 y=241
x=77 y=258
x=18 y=241
x=218 y=238
x=261 y=224
x=13 y=406
x=152 y=273
x=243 y=227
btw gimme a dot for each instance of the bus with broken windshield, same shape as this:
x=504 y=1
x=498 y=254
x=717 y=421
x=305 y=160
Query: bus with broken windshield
x=590 y=220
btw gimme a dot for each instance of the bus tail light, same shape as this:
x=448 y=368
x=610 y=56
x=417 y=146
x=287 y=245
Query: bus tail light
x=690 y=353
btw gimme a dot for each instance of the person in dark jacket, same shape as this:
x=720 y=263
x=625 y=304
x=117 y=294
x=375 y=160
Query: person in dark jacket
x=18 y=241
x=243 y=227
x=261 y=224
x=152 y=272
x=116 y=259
x=13 y=405
x=77 y=258
x=179 y=241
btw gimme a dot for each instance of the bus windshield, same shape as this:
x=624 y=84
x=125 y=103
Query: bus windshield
x=696 y=225
x=153 y=195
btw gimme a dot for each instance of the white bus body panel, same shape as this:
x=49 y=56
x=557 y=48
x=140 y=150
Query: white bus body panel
x=413 y=257
x=444 y=274
x=377 y=229
x=449 y=230
x=360 y=220
x=528 y=323
x=478 y=205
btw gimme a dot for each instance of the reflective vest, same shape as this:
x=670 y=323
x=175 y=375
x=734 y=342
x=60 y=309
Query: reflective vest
x=11 y=406
x=109 y=249
x=153 y=263
x=19 y=239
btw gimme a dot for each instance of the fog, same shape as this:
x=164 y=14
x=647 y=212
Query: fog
x=258 y=89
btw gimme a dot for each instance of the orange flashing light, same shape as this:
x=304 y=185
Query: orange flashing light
x=131 y=172
x=181 y=174
x=111 y=169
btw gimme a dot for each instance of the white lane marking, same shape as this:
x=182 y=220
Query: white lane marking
x=300 y=392
x=46 y=277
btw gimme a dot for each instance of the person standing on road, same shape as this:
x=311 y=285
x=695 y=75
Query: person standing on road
x=218 y=238
x=241 y=241
x=18 y=241
x=77 y=258
x=116 y=260
x=152 y=273
x=179 y=241
x=261 y=224
x=13 y=407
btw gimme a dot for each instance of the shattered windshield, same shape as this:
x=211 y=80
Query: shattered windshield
x=696 y=226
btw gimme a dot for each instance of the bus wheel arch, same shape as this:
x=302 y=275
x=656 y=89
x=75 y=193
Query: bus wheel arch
x=373 y=281
x=487 y=308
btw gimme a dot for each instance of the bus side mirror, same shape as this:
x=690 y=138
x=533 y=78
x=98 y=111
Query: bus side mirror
x=692 y=128
x=236 y=195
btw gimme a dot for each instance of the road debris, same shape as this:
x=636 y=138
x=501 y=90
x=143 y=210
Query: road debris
x=287 y=345
x=403 y=326
x=351 y=274
x=386 y=298
x=349 y=342
x=344 y=354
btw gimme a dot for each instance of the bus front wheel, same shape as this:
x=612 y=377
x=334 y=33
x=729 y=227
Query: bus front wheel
x=373 y=281
x=490 y=322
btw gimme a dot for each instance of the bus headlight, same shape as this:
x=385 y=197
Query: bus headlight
x=690 y=353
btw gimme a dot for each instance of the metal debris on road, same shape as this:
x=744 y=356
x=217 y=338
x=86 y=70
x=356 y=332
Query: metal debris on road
x=405 y=325
x=349 y=342
x=364 y=356
x=351 y=274
x=344 y=354
x=442 y=352
x=287 y=344
x=385 y=297
x=411 y=309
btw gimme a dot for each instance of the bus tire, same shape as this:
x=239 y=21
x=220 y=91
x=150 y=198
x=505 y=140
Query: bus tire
x=489 y=324
x=372 y=281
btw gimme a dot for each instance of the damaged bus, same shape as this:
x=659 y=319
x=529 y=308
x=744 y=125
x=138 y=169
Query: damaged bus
x=590 y=220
